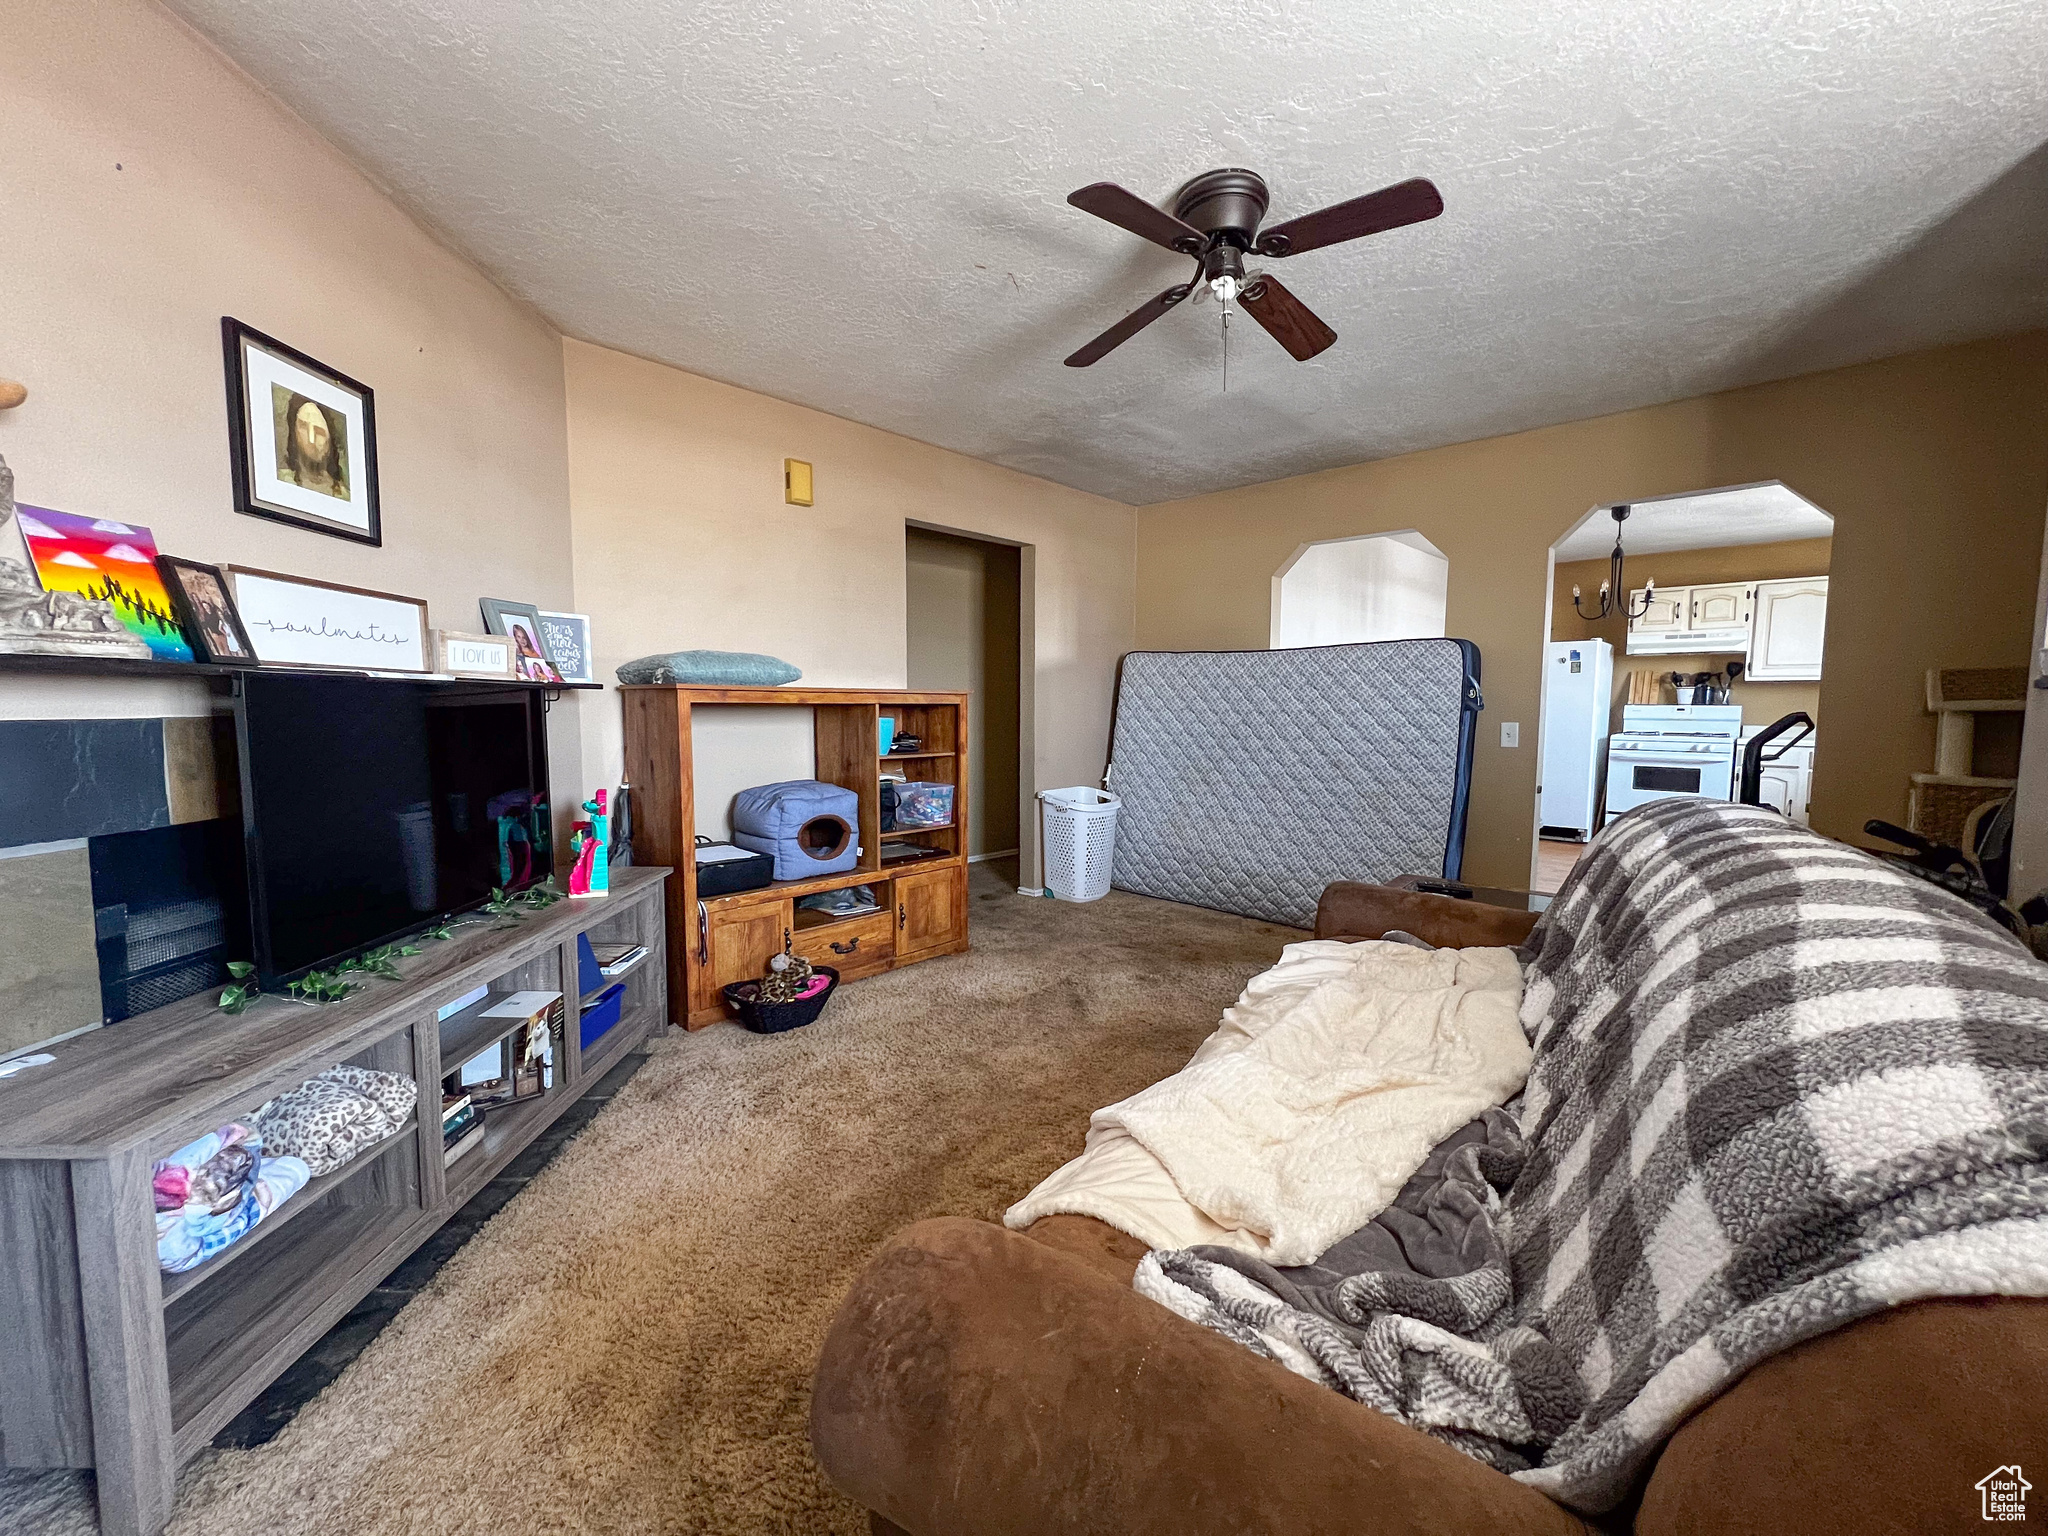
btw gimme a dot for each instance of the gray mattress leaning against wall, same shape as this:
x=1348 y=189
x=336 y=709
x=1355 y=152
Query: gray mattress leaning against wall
x=1252 y=779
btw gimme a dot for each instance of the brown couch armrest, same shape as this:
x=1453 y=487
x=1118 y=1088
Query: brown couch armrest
x=1349 y=910
x=976 y=1383
x=1881 y=1427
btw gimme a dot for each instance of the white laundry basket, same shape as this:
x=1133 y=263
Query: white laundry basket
x=1080 y=839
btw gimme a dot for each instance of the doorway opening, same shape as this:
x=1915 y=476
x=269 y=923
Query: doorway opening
x=1377 y=586
x=1652 y=688
x=964 y=633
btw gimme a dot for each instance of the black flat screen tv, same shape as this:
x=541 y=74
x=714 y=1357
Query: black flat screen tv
x=372 y=808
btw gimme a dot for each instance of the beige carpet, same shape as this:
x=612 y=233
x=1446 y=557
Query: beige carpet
x=627 y=1346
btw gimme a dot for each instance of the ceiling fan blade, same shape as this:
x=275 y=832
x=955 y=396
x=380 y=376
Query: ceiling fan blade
x=1285 y=318
x=1405 y=202
x=1127 y=210
x=1129 y=326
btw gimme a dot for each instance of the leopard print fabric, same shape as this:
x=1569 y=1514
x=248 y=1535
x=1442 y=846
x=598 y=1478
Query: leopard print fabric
x=334 y=1117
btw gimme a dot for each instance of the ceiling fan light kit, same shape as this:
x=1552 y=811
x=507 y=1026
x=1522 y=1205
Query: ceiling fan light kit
x=1215 y=220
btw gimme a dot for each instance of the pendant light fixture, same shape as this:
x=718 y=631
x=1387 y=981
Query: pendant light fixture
x=1612 y=590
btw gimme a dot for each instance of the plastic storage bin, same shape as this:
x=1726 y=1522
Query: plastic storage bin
x=1080 y=841
x=923 y=805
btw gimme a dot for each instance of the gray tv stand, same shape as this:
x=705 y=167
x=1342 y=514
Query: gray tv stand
x=107 y=1363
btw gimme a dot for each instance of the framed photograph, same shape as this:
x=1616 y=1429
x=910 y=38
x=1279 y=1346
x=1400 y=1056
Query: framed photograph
x=461 y=655
x=520 y=623
x=199 y=596
x=295 y=621
x=568 y=642
x=303 y=438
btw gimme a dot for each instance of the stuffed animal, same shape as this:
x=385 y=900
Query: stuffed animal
x=786 y=978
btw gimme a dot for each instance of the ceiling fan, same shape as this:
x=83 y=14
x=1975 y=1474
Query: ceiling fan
x=1215 y=220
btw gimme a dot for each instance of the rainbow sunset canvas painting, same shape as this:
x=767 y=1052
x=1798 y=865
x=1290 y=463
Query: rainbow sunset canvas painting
x=111 y=562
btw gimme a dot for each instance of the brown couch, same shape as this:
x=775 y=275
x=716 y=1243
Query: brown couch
x=983 y=1382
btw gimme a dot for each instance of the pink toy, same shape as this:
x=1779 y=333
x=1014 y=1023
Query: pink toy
x=591 y=874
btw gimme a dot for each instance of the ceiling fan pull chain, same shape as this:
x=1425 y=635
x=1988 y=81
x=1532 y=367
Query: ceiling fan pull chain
x=1226 y=343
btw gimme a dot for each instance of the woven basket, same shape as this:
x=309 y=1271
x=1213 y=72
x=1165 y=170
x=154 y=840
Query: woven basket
x=1938 y=811
x=774 y=1018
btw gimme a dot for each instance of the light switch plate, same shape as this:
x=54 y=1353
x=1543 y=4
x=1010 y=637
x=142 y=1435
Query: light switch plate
x=796 y=482
x=1511 y=733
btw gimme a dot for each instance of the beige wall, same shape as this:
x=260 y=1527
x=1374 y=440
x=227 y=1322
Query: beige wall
x=1761 y=702
x=1934 y=467
x=961 y=598
x=683 y=541
x=150 y=188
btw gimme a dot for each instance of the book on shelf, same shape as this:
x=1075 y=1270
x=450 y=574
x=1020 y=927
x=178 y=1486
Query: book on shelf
x=614 y=958
x=469 y=1137
x=458 y=1118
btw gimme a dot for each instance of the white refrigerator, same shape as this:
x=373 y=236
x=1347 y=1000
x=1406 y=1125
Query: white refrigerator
x=1577 y=702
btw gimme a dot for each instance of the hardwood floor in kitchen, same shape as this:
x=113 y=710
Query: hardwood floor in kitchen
x=1554 y=860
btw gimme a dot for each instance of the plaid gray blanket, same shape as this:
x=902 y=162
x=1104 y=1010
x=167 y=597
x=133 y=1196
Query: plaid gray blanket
x=1778 y=1086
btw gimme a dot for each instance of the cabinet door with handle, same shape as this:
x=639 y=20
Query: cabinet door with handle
x=1724 y=606
x=1790 y=626
x=739 y=941
x=931 y=912
x=1667 y=611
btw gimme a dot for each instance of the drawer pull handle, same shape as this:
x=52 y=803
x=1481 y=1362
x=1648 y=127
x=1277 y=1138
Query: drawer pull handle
x=902 y=916
x=845 y=949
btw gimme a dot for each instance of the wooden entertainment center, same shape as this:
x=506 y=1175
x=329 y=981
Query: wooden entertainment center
x=721 y=939
x=105 y=1362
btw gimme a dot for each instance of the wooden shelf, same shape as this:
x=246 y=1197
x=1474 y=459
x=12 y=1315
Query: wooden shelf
x=76 y=1143
x=177 y=1285
x=213 y=1339
x=163 y=1077
x=508 y=1128
x=795 y=888
x=714 y=940
x=136 y=666
x=925 y=855
x=808 y=918
x=634 y=1025
x=467 y=1034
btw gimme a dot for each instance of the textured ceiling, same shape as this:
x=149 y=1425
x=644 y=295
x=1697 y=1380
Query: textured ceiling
x=1743 y=514
x=859 y=205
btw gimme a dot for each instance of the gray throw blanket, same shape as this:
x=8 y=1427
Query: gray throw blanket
x=1778 y=1086
x=1409 y=1314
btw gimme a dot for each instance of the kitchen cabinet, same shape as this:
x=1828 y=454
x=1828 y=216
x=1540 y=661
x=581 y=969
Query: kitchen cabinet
x=1713 y=619
x=1786 y=784
x=1664 y=612
x=1725 y=606
x=1788 y=630
x=1783 y=789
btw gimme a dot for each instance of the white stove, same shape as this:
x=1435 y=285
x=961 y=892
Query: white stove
x=1665 y=750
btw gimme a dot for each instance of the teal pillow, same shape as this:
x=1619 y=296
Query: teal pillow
x=713 y=669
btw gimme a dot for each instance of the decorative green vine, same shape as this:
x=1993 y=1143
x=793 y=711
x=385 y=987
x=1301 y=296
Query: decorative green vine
x=331 y=986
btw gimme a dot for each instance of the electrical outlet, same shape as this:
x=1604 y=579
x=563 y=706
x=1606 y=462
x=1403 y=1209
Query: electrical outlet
x=1511 y=733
